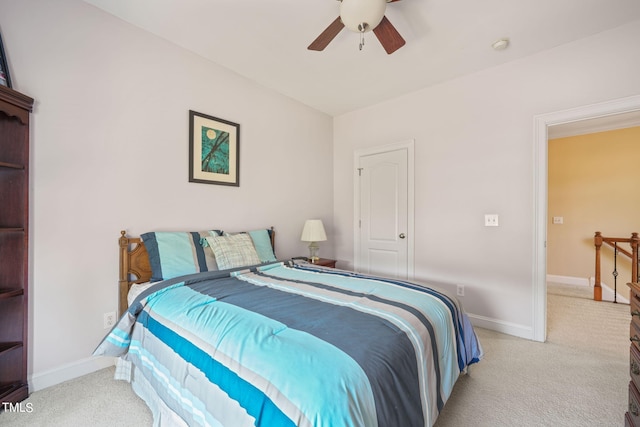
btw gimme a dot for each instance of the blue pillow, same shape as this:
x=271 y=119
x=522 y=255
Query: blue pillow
x=176 y=253
x=262 y=242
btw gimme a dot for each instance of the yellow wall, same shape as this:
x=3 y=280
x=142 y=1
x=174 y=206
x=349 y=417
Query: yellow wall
x=594 y=184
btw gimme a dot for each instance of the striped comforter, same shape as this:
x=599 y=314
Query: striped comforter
x=296 y=345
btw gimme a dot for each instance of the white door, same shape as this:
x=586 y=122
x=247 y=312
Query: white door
x=384 y=227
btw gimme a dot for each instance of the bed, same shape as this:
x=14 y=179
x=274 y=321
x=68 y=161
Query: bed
x=212 y=340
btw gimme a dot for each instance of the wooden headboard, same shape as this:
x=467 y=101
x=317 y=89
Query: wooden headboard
x=135 y=266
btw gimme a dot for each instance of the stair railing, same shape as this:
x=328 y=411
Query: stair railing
x=633 y=241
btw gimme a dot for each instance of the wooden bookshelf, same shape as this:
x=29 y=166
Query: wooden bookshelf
x=15 y=111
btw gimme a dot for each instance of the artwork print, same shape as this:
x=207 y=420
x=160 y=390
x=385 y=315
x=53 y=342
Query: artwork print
x=213 y=150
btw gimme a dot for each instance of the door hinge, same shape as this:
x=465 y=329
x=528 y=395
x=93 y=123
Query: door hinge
x=360 y=171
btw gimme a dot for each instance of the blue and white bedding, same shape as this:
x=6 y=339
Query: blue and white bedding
x=296 y=345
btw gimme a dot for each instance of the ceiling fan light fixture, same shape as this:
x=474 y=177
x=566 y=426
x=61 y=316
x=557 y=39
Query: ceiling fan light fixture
x=361 y=16
x=358 y=14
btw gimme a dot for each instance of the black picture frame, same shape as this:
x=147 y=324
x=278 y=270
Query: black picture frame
x=5 y=78
x=214 y=150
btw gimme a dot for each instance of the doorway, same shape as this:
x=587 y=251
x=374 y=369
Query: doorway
x=542 y=123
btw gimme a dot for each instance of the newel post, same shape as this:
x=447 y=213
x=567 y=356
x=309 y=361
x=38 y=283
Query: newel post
x=635 y=241
x=597 y=288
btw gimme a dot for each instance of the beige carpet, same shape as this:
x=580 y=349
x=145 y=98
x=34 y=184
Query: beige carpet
x=578 y=378
x=94 y=400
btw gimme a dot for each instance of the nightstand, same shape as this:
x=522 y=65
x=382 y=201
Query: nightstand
x=325 y=262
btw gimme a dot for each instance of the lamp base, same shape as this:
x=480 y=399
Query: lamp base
x=313 y=252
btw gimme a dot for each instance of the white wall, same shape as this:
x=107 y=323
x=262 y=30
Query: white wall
x=110 y=150
x=474 y=148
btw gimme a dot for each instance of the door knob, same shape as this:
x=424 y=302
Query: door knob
x=402 y=236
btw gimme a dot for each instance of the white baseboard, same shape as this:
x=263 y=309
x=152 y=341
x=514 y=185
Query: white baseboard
x=568 y=280
x=69 y=371
x=521 y=331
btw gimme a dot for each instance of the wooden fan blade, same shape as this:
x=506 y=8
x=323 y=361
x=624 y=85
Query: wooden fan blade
x=389 y=37
x=327 y=35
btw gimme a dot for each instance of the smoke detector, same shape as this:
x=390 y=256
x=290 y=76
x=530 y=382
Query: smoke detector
x=500 y=44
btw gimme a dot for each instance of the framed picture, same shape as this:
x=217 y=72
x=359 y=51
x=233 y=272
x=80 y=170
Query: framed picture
x=214 y=150
x=5 y=79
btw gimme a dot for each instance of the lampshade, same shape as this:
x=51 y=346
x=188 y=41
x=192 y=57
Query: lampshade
x=313 y=231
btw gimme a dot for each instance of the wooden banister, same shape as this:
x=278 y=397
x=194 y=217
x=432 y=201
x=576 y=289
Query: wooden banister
x=598 y=241
x=597 y=286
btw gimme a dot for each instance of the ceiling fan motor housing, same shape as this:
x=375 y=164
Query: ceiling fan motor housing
x=362 y=15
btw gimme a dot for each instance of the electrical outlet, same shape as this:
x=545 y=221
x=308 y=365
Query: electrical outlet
x=460 y=290
x=109 y=319
x=491 y=220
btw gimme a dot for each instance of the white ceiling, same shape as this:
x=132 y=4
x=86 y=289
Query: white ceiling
x=266 y=41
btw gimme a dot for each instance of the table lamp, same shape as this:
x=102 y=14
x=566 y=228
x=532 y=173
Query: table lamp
x=313 y=232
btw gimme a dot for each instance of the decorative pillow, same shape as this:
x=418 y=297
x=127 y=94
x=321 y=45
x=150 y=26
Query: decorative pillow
x=262 y=242
x=176 y=253
x=233 y=250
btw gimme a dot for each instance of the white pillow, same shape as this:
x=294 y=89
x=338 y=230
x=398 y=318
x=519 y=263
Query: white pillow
x=135 y=290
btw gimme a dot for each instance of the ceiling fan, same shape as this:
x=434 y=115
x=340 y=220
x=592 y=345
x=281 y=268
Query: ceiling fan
x=362 y=16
